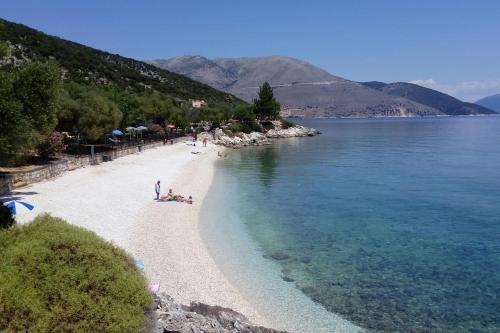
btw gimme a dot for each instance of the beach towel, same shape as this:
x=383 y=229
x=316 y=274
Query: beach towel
x=139 y=264
x=154 y=287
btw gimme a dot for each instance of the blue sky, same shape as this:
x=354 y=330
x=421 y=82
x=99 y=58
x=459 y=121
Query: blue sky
x=453 y=46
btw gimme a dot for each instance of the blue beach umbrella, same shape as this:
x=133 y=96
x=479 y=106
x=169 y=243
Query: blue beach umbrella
x=117 y=132
x=17 y=206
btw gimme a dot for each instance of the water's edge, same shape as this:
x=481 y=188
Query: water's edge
x=258 y=279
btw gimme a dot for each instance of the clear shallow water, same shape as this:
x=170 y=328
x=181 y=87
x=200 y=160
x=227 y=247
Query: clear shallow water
x=392 y=223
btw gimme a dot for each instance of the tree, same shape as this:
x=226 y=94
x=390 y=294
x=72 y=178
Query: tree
x=244 y=113
x=266 y=106
x=4 y=49
x=28 y=107
x=98 y=116
x=15 y=128
x=37 y=87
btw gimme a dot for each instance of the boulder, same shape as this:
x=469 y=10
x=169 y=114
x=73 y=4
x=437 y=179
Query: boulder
x=198 y=317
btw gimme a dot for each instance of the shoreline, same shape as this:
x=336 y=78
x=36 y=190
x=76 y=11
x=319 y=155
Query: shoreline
x=258 y=279
x=115 y=200
x=168 y=236
x=175 y=254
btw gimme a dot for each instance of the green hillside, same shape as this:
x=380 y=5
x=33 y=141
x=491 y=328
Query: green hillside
x=50 y=86
x=87 y=65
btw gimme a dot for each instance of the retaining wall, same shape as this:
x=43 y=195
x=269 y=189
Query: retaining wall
x=19 y=178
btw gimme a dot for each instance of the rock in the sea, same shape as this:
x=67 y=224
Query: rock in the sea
x=238 y=140
x=198 y=317
x=295 y=131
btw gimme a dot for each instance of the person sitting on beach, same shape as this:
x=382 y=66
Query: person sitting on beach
x=190 y=200
x=169 y=196
x=180 y=198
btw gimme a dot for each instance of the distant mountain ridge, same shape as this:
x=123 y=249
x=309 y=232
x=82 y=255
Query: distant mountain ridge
x=445 y=103
x=308 y=91
x=492 y=102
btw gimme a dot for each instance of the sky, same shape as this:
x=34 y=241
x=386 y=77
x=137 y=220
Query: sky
x=451 y=46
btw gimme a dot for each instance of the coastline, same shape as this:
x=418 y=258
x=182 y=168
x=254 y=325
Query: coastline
x=115 y=200
x=174 y=253
x=259 y=280
x=169 y=236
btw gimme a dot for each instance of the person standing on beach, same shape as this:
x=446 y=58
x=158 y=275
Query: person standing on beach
x=157 y=190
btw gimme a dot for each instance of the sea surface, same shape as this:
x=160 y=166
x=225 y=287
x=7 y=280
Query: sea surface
x=391 y=224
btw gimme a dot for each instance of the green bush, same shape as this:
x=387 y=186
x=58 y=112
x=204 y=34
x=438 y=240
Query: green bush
x=285 y=123
x=55 y=277
x=6 y=218
x=267 y=125
x=245 y=127
x=254 y=126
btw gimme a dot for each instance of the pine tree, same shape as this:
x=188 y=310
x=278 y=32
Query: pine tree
x=266 y=106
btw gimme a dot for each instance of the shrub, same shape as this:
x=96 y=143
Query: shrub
x=285 y=123
x=254 y=126
x=53 y=145
x=6 y=218
x=235 y=127
x=267 y=125
x=244 y=113
x=73 y=148
x=60 y=278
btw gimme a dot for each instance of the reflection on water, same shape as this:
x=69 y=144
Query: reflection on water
x=394 y=224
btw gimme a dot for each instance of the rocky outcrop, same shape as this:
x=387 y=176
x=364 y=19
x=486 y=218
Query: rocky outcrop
x=198 y=317
x=237 y=140
x=295 y=131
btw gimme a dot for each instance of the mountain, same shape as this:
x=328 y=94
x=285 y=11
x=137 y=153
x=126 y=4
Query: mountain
x=84 y=64
x=445 y=103
x=492 y=102
x=302 y=89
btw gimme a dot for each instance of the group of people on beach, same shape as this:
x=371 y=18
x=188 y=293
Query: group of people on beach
x=170 y=196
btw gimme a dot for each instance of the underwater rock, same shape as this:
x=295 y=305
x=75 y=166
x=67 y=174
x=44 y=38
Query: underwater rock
x=279 y=256
x=305 y=260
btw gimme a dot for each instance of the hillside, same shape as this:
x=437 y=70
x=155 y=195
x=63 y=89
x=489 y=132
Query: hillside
x=492 y=102
x=86 y=65
x=432 y=98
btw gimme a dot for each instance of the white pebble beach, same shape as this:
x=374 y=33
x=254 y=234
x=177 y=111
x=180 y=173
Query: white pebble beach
x=116 y=200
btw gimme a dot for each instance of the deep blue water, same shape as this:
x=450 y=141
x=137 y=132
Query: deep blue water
x=392 y=223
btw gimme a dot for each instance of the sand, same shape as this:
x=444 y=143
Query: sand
x=116 y=200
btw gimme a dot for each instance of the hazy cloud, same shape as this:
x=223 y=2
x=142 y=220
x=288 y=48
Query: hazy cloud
x=469 y=91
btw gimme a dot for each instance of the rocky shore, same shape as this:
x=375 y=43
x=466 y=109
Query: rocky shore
x=236 y=140
x=172 y=317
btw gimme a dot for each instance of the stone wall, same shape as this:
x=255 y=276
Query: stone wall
x=4 y=184
x=33 y=174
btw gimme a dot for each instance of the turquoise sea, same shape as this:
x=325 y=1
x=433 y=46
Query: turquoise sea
x=393 y=224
